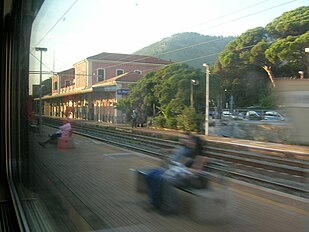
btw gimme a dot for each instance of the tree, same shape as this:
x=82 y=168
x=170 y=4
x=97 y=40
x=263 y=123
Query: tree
x=166 y=93
x=141 y=98
x=186 y=47
x=291 y=23
x=278 y=49
x=246 y=52
x=290 y=36
x=289 y=52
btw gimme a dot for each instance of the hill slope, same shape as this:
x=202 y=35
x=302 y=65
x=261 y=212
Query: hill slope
x=188 y=47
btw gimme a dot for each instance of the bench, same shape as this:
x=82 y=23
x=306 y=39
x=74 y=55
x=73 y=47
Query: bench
x=207 y=204
x=141 y=182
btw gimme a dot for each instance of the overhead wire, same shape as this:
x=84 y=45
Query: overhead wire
x=245 y=16
x=178 y=62
x=209 y=55
x=223 y=16
x=43 y=37
x=39 y=60
x=206 y=42
x=184 y=61
x=192 y=59
x=193 y=45
x=201 y=57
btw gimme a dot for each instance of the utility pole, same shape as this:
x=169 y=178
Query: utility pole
x=207 y=99
x=40 y=92
x=307 y=51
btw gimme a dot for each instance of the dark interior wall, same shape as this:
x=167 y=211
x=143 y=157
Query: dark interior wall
x=16 y=22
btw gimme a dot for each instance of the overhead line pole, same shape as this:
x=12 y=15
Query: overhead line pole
x=40 y=92
x=206 y=99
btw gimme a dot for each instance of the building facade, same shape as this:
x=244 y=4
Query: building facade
x=91 y=89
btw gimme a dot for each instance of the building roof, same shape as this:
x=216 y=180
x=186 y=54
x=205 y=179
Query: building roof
x=128 y=58
x=67 y=72
x=75 y=92
x=125 y=77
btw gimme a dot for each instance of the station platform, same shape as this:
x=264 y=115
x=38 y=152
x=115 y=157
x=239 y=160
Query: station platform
x=92 y=188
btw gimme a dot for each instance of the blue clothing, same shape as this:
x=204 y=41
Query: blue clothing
x=180 y=153
x=154 y=182
x=161 y=186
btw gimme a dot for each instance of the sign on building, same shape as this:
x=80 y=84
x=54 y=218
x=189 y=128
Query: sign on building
x=122 y=91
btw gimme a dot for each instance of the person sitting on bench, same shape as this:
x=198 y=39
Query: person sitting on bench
x=161 y=181
x=64 y=131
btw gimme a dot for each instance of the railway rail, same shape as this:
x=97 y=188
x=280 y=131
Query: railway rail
x=280 y=170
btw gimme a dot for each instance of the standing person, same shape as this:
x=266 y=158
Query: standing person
x=63 y=131
x=134 y=119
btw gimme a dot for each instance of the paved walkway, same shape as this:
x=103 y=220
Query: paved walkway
x=92 y=187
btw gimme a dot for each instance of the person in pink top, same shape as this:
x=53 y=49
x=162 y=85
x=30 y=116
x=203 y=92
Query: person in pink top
x=64 y=131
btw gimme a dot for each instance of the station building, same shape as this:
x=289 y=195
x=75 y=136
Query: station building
x=91 y=89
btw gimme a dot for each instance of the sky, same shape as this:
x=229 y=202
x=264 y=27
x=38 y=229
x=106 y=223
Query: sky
x=73 y=30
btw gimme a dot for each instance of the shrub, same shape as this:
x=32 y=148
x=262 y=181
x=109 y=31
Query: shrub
x=159 y=121
x=171 y=123
x=189 y=120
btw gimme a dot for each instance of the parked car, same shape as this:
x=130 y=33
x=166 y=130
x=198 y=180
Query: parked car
x=213 y=114
x=226 y=114
x=238 y=116
x=273 y=116
x=252 y=115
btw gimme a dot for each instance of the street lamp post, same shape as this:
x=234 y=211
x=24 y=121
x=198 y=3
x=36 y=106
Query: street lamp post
x=225 y=104
x=40 y=92
x=193 y=82
x=206 y=99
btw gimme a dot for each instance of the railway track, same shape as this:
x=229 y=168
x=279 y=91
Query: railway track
x=280 y=170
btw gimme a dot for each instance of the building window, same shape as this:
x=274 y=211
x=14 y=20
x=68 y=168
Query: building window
x=119 y=72
x=138 y=71
x=67 y=83
x=101 y=74
x=55 y=85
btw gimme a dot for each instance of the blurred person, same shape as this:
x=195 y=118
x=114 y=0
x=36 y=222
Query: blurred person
x=190 y=146
x=64 y=131
x=134 y=119
x=181 y=167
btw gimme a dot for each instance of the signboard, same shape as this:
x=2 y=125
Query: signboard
x=122 y=91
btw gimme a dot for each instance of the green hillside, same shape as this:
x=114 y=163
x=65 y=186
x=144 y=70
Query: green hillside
x=188 y=47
